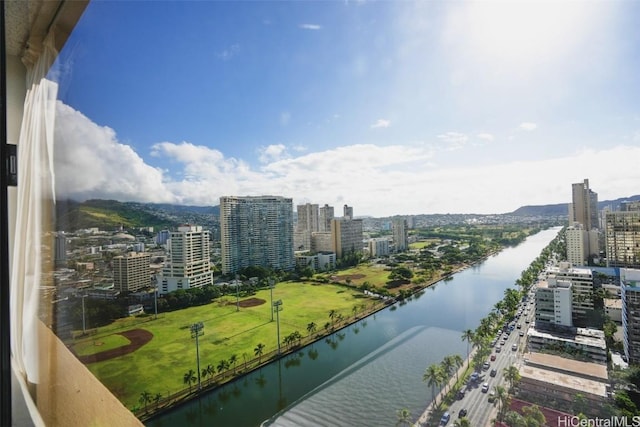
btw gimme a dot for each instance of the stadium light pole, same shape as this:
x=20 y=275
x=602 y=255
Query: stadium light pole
x=277 y=307
x=197 y=329
x=271 y=285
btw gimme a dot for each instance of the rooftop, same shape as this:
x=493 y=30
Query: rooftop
x=569 y=366
x=558 y=379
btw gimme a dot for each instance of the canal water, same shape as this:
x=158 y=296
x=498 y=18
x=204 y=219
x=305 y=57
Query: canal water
x=363 y=374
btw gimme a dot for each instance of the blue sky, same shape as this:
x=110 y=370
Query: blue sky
x=390 y=107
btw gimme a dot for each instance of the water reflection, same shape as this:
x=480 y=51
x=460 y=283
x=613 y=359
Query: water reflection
x=387 y=351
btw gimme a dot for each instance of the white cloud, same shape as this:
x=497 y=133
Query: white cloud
x=313 y=27
x=272 y=153
x=376 y=180
x=485 y=136
x=91 y=162
x=454 y=140
x=528 y=126
x=381 y=123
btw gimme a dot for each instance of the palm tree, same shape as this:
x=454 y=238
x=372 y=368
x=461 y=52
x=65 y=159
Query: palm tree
x=210 y=371
x=503 y=400
x=204 y=373
x=157 y=399
x=468 y=336
x=311 y=328
x=404 y=417
x=190 y=377
x=233 y=360
x=258 y=351
x=145 y=397
x=462 y=422
x=458 y=362
x=354 y=310
x=511 y=375
x=447 y=366
x=223 y=365
x=432 y=377
x=332 y=315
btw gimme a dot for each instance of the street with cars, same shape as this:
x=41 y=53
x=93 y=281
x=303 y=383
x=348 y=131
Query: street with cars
x=477 y=401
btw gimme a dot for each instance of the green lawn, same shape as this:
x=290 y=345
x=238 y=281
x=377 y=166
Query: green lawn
x=375 y=274
x=160 y=365
x=103 y=343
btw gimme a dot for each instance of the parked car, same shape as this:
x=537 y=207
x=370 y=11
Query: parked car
x=485 y=387
x=485 y=366
x=493 y=373
x=493 y=357
x=474 y=377
x=462 y=413
x=445 y=419
x=492 y=395
x=461 y=393
x=514 y=347
x=498 y=349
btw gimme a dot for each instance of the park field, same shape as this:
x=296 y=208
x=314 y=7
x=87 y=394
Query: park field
x=159 y=366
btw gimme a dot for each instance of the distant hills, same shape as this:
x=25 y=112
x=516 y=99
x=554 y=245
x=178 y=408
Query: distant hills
x=112 y=214
x=563 y=208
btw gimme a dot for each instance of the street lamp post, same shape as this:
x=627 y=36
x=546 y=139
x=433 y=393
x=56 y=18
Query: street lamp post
x=277 y=307
x=197 y=329
x=237 y=294
x=155 y=300
x=84 y=324
x=271 y=285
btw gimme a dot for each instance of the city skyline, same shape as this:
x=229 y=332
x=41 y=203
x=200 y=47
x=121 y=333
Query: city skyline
x=392 y=107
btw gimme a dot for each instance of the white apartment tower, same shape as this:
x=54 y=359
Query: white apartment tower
x=256 y=231
x=187 y=264
x=553 y=303
x=308 y=222
x=132 y=272
x=400 y=235
x=581 y=280
x=325 y=215
x=576 y=237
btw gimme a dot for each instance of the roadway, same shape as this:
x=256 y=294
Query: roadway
x=480 y=411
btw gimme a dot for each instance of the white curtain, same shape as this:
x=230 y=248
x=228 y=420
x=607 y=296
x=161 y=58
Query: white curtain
x=35 y=196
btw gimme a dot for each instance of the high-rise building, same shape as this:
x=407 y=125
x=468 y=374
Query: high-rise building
x=325 y=215
x=553 y=303
x=256 y=231
x=132 y=272
x=584 y=206
x=576 y=238
x=379 y=247
x=60 y=249
x=400 y=235
x=308 y=218
x=347 y=212
x=346 y=235
x=188 y=264
x=622 y=239
x=582 y=290
x=630 y=292
x=308 y=222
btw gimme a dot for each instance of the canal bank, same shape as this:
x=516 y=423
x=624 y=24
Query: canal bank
x=371 y=368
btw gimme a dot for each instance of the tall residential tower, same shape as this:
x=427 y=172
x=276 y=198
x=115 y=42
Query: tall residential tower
x=256 y=231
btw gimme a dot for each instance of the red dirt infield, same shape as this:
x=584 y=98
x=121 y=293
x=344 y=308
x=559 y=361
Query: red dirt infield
x=137 y=338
